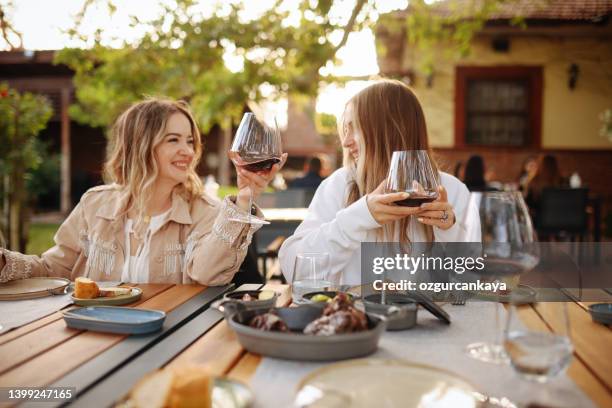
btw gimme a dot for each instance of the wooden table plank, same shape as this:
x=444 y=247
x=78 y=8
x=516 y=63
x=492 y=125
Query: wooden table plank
x=592 y=341
x=55 y=363
x=600 y=294
x=219 y=349
x=244 y=370
x=148 y=291
x=577 y=371
x=52 y=334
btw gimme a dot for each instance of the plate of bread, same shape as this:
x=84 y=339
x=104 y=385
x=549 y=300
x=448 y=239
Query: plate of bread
x=187 y=386
x=88 y=293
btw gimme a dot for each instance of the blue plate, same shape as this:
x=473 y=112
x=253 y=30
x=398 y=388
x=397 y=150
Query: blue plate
x=115 y=319
x=601 y=313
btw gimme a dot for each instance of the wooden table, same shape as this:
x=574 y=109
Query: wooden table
x=45 y=352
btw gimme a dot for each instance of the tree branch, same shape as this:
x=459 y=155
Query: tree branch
x=348 y=28
x=7 y=28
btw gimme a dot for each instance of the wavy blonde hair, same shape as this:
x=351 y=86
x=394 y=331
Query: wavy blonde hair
x=131 y=159
x=388 y=117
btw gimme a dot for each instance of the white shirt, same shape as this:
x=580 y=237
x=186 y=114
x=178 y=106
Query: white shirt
x=331 y=227
x=136 y=267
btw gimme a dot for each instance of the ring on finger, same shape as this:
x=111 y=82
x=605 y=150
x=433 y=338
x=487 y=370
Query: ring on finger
x=444 y=216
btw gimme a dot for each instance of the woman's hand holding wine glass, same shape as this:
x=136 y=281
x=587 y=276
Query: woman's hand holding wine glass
x=258 y=155
x=411 y=188
x=255 y=183
x=439 y=212
x=383 y=205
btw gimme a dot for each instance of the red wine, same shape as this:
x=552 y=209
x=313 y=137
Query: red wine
x=264 y=165
x=254 y=163
x=416 y=199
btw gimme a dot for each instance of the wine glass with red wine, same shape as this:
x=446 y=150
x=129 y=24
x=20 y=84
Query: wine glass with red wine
x=256 y=148
x=411 y=171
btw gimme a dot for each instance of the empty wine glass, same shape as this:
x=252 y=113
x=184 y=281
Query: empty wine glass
x=538 y=353
x=411 y=171
x=310 y=274
x=509 y=250
x=256 y=148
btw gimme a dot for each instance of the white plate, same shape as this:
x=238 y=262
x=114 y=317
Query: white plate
x=32 y=288
x=390 y=383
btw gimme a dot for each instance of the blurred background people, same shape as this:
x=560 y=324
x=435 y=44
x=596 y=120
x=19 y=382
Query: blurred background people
x=459 y=170
x=547 y=175
x=474 y=175
x=528 y=171
x=312 y=177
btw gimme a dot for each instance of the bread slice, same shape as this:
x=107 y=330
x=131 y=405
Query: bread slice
x=85 y=288
x=113 y=292
x=180 y=387
x=191 y=388
x=152 y=391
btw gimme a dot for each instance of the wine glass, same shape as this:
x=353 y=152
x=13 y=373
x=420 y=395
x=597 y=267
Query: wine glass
x=537 y=353
x=411 y=171
x=509 y=250
x=310 y=274
x=256 y=148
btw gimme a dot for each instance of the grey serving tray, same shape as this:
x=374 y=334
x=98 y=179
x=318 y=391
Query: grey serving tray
x=295 y=345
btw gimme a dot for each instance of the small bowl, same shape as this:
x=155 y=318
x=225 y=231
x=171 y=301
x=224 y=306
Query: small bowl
x=256 y=303
x=399 y=310
x=601 y=313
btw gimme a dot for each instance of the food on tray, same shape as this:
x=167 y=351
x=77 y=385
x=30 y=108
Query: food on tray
x=319 y=298
x=339 y=316
x=112 y=292
x=184 y=386
x=85 y=288
x=266 y=294
x=263 y=295
x=269 y=321
x=342 y=301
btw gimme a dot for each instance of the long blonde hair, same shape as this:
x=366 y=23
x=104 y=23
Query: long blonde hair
x=389 y=117
x=131 y=159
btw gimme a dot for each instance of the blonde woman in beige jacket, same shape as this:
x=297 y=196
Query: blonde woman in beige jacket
x=152 y=222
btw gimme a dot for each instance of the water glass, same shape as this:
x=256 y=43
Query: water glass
x=310 y=274
x=539 y=354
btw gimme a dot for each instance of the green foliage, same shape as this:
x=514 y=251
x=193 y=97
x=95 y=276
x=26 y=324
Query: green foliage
x=42 y=179
x=22 y=117
x=181 y=53
x=327 y=127
x=430 y=30
x=181 y=56
x=40 y=237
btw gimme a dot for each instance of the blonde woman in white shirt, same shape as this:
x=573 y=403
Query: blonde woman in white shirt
x=351 y=206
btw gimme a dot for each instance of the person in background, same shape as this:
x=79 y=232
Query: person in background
x=474 y=177
x=312 y=178
x=351 y=206
x=459 y=170
x=528 y=171
x=547 y=175
x=152 y=222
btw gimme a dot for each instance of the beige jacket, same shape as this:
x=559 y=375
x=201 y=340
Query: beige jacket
x=197 y=242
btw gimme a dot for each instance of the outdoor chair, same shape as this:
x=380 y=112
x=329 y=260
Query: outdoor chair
x=563 y=212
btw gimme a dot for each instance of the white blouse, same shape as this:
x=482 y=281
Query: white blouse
x=332 y=227
x=136 y=267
